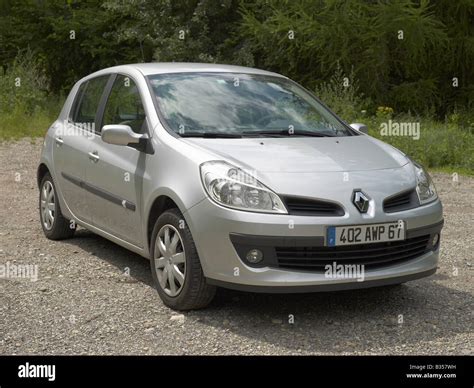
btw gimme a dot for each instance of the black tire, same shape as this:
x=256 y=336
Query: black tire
x=393 y=286
x=61 y=227
x=195 y=292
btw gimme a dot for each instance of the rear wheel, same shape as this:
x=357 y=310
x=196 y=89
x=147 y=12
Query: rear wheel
x=175 y=265
x=55 y=226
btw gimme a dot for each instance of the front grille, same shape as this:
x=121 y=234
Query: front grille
x=404 y=201
x=369 y=255
x=312 y=207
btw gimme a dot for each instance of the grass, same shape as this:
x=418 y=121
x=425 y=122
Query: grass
x=440 y=147
x=32 y=122
x=18 y=125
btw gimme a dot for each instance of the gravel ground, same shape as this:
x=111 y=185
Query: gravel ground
x=82 y=303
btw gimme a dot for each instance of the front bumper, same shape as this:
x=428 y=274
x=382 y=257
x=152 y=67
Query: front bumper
x=214 y=227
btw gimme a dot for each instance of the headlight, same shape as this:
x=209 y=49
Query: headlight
x=425 y=187
x=232 y=187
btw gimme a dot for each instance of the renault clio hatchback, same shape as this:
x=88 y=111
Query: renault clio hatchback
x=234 y=177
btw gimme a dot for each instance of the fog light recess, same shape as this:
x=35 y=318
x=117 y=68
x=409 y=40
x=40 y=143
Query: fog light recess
x=435 y=239
x=254 y=256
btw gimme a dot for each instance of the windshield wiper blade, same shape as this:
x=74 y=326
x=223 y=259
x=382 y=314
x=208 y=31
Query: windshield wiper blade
x=285 y=132
x=273 y=132
x=212 y=135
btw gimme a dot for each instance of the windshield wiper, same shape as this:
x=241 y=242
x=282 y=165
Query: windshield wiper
x=286 y=132
x=273 y=132
x=212 y=135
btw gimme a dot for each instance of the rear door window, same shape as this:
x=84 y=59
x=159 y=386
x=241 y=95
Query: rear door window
x=87 y=102
x=77 y=100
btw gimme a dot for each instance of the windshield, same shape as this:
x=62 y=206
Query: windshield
x=236 y=105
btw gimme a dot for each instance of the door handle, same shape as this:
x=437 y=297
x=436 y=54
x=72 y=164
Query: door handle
x=59 y=140
x=94 y=156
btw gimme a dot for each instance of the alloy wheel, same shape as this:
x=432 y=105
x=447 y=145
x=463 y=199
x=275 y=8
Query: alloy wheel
x=170 y=260
x=47 y=205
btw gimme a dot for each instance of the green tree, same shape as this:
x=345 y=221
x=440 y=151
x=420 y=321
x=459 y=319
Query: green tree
x=396 y=48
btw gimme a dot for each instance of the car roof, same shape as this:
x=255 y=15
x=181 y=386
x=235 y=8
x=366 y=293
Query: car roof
x=184 y=67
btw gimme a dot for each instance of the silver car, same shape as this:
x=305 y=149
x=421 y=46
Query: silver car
x=234 y=177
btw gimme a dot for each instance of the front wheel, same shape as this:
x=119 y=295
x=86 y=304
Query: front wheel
x=175 y=265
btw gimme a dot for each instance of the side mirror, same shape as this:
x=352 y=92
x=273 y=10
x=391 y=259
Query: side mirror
x=360 y=127
x=120 y=135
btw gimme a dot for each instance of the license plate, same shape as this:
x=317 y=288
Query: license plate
x=365 y=234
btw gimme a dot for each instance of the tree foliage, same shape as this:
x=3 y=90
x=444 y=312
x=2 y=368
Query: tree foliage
x=412 y=55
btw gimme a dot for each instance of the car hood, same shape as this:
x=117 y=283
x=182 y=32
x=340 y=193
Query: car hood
x=305 y=154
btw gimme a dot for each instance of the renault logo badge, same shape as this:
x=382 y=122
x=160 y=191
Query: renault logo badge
x=360 y=200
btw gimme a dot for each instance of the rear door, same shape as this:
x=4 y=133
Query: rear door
x=72 y=144
x=116 y=177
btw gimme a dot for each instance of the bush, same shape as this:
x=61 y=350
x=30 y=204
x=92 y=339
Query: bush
x=23 y=87
x=341 y=94
x=26 y=109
